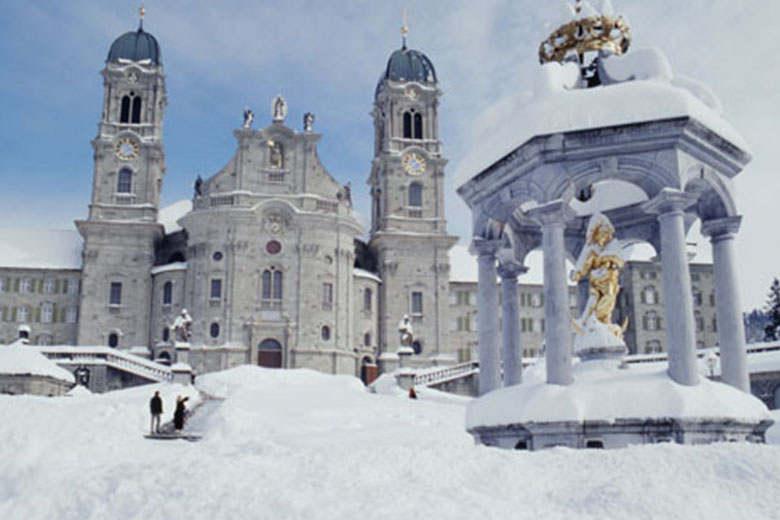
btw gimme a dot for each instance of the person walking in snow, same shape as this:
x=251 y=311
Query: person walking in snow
x=179 y=413
x=156 y=409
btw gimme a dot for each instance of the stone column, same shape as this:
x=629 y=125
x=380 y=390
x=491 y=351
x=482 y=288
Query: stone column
x=669 y=205
x=733 y=356
x=487 y=315
x=512 y=348
x=558 y=332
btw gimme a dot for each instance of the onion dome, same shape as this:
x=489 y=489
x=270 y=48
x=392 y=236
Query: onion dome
x=408 y=65
x=135 y=46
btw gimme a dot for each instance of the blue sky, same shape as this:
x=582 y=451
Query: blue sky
x=325 y=57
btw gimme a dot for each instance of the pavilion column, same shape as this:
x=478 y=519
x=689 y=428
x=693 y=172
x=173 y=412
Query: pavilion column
x=558 y=332
x=669 y=205
x=512 y=349
x=733 y=354
x=487 y=315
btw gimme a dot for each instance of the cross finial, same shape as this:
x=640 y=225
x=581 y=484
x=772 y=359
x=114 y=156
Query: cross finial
x=141 y=13
x=404 y=28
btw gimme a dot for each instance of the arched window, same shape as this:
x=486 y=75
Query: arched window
x=651 y=321
x=124 y=113
x=367 y=300
x=124 y=183
x=417 y=346
x=166 y=335
x=113 y=340
x=137 y=109
x=407 y=125
x=367 y=339
x=325 y=333
x=167 y=293
x=272 y=284
x=415 y=195
x=164 y=358
x=214 y=330
x=418 y=126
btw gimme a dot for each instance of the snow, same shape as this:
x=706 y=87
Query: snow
x=297 y=444
x=604 y=392
x=169 y=215
x=20 y=359
x=167 y=268
x=649 y=91
x=362 y=273
x=40 y=248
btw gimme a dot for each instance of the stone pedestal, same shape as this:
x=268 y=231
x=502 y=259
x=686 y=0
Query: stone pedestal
x=182 y=373
x=404 y=356
x=182 y=352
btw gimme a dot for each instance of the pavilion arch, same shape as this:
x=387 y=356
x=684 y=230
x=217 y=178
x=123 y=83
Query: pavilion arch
x=715 y=197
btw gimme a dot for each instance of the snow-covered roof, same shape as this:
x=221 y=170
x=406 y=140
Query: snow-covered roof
x=169 y=215
x=20 y=359
x=646 y=89
x=40 y=248
x=362 y=273
x=174 y=266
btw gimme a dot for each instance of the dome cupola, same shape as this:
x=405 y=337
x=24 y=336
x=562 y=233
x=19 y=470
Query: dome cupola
x=135 y=46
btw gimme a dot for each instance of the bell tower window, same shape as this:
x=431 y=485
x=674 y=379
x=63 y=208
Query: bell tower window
x=124 y=182
x=418 y=126
x=137 y=110
x=124 y=113
x=130 y=109
x=415 y=195
x=407 y=125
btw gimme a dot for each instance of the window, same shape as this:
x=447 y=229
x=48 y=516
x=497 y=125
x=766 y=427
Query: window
x=366 y=339
x=47 y=312
x=48 y=286
x=697 y=296
x=71 y=315
x=26 y=285
x=653 y=347
x=214 y=330
x=73 y=286
x=124 y=113
x=594 y=444
x=367 y=300
x=407 y=125
x=418 y=126
x=695 y=277
x=649 y=296
x=113 y=340
x=2 y=285
x=272 y=284
x=712 y=299
x=417 y=347
x=124 y=183
x=415 y=195
x=166 y=335
x=651 y=321
x=325 y=333
x=417 y=302
x=699 y=321
x=327 y=295
x=137 y=110
x=462 y=298
x=115 y=294
x=714 y=324
x=536 y=300
x=167 y=293
x=216 y=289
x=22 y=314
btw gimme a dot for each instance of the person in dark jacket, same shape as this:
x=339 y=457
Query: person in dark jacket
x=179 y=413
x=156 y=409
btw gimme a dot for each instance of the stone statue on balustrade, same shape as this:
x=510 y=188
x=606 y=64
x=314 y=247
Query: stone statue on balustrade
x=182 y=327
x=600 y=262
x=406 y=332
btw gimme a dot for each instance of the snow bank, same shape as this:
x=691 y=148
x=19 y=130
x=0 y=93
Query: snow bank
x=602 y=391
x=302 y=445
x=40 y=248
x=20 y=359
x=648 y=90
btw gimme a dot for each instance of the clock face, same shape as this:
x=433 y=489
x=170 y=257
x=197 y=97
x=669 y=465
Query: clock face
x=126 y=149
x=414 y=164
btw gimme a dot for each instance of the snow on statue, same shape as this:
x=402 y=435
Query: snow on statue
x=600 y=262
x=182 y=327
x=405 y=330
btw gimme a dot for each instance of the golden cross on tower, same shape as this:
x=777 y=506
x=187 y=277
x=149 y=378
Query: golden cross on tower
x=404 y=28
x=142 y=11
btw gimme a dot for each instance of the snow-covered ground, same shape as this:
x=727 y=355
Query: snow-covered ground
x=301 y=445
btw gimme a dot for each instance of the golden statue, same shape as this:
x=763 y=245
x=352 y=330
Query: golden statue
x=600 y=261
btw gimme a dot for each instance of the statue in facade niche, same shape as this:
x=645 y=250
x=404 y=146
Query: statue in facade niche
x=182 y=327
x=600 y=262
x=406 y=332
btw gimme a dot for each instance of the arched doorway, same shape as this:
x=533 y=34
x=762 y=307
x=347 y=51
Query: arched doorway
x=269 y=354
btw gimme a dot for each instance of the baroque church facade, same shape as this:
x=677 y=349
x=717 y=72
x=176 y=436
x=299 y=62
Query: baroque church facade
x=267 y=258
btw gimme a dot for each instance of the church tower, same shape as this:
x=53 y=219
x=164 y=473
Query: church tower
x=408 y=226
x=121 y=230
